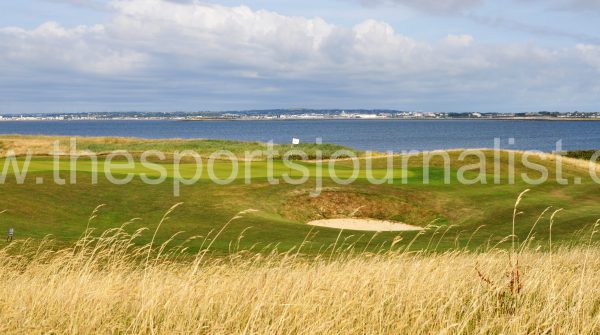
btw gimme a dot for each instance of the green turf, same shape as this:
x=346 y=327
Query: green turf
x=477 y=215
x=207 y=147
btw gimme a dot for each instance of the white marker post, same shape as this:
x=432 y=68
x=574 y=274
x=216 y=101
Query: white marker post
x=295 y=141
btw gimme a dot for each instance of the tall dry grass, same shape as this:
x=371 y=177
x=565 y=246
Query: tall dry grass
x=107 y=284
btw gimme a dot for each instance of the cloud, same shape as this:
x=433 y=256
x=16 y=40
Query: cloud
x=500 y=22
x=88 y=4
x=269 y=42
x=459 y=7
x=170 y=55
x=459 y=40
x=569 y=5
x=591 y=54
x=52 y=47
x=430 y=6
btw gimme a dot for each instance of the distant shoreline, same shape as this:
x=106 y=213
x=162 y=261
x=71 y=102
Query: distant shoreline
x=324 y=119
x=400 y=119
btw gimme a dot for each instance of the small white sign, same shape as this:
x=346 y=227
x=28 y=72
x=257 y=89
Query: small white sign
x=295 y=141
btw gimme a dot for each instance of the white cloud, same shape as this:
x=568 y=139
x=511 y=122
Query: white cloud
x=189 y=53
x=459 y=40
x=268 y=42
x=591 y=54
x=84 y=49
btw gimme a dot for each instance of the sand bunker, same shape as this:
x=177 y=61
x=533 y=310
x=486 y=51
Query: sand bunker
x=364 y=225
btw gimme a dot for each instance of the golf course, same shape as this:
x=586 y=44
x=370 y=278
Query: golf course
x=453 y=215
x=131 y=236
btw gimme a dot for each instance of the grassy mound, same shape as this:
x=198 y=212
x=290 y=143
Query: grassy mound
x=456 y=214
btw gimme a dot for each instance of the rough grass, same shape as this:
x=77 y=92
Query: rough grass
x=581 y=154
x=44 y=145
x=333 y=203
x=108 y=284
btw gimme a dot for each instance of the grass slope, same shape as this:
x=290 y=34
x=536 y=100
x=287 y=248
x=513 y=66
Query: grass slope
x=477 y=214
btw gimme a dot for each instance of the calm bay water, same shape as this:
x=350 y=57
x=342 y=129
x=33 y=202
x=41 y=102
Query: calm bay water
x=379 y=135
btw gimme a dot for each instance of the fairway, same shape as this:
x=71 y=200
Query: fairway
x=452 y=214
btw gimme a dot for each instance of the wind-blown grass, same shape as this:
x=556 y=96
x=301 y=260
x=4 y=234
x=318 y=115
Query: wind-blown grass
x=109 y=284
x=104 y=288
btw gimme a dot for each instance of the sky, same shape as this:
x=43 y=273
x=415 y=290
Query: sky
x=67 y=56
